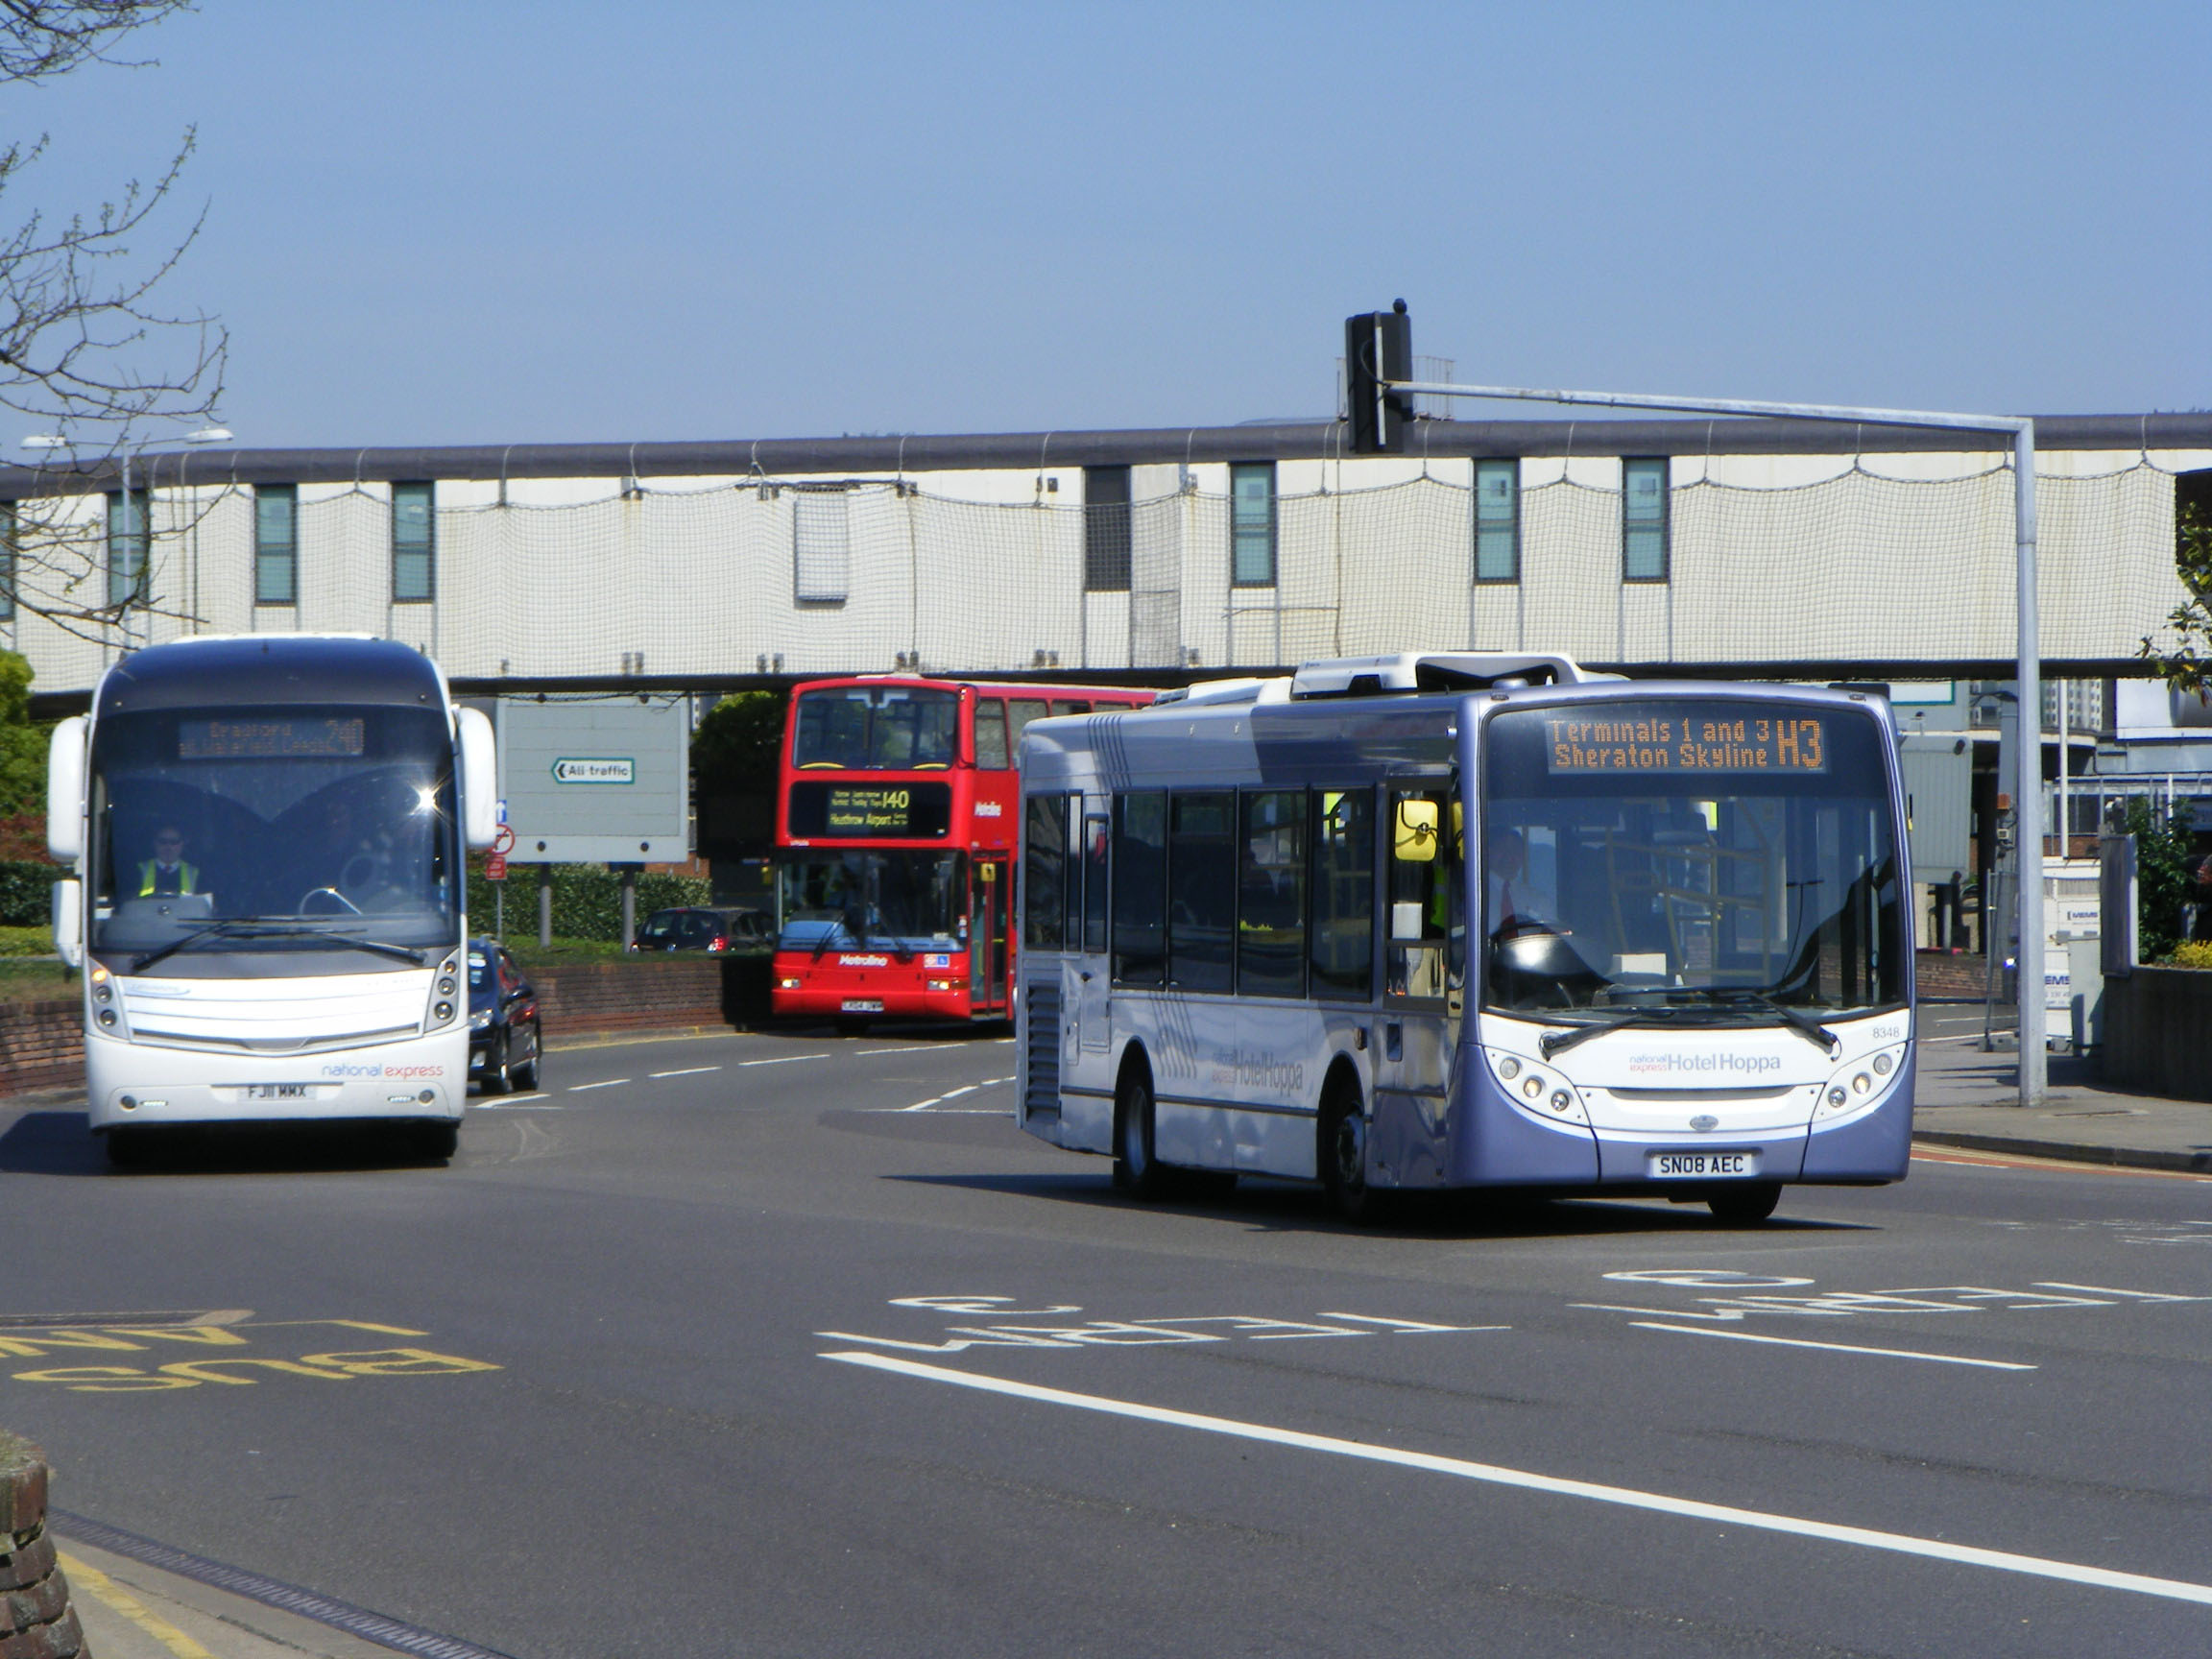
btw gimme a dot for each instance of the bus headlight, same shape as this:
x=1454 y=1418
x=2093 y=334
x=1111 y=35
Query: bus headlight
x=786 y=984
x=1835 y=1095
x=1882 y=1065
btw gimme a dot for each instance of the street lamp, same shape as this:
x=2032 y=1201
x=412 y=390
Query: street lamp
x=127 y=449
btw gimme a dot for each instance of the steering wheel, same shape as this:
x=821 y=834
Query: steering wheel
x=334 y=903
x=362 y=870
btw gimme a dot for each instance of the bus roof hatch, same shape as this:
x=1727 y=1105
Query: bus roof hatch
x=1435 y=671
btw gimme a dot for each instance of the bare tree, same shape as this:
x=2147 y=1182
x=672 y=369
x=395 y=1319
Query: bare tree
x=85 y=350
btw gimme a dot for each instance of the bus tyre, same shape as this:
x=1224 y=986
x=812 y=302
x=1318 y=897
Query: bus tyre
x=1343 y=1152
x=1135 y=1169
x=1746 y=1206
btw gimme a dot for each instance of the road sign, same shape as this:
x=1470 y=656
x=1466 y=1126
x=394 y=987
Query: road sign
x=503 y=843
x=496 y=867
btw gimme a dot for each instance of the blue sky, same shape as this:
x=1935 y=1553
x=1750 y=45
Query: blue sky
x=494 y=222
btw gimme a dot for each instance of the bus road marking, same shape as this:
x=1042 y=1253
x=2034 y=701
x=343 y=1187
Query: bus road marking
x=686 y=1071
x=783 y=1060
x=1493 y=1473
x=1833 y=1347
x=611 y=1083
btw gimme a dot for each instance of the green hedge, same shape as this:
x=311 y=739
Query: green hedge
x=587 y=900
x=26 y=891
x=36 y=941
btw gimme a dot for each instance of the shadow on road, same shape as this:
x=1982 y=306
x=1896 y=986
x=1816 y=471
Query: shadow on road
x=58 y=1144
x=1261 y=1205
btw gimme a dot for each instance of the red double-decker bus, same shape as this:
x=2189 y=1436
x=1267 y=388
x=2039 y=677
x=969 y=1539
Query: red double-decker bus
x=896 y=817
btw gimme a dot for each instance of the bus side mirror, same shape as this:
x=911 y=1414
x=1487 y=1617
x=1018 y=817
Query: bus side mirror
x=68 y=904
x=1415 y=839
x=65 y=790
x=479 y=781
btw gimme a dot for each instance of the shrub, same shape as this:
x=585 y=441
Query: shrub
x=26 y=892
x=587 y=900
x=2193 y=954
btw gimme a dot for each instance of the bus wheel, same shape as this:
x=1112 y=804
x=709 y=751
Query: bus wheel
x=1343 y=1152
x=1746 y=1206
x=1135 y=1169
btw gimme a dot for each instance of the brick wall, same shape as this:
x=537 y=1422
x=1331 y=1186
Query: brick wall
x=41 y=1046
x=1940 y=974
x=35 y=1619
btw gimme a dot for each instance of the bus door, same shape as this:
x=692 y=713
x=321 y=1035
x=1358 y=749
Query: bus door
x=1093 y=1012
x=987 y=943
x=1424 y=955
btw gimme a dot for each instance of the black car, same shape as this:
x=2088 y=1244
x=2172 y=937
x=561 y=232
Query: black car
x=706 y=927
x=504 y=1033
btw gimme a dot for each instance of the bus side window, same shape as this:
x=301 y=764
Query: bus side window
x=991 y=753
x=1072 y=914
x=1201 y=889
x=1271 y=894
x=1043 y=871
x=1422 y=894
x=1069 y=706
x=1019 y=711
x=1096 y=839
x=1343 y=945
x=1140 y=888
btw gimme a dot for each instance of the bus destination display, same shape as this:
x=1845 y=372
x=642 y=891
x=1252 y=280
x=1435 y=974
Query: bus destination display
x=1652 y=737
x=897 y=811
x=270 y=739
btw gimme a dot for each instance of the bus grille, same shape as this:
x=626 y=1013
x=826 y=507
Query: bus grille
x=1040 y=1053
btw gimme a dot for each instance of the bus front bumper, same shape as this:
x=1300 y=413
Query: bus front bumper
x=132 y=1083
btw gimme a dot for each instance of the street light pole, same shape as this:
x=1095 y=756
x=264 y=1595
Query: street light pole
x=2027 y=781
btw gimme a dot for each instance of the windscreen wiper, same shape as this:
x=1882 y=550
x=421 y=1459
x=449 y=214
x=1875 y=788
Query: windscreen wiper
x=1804 y=1025
x=1552 y=1042
x=271 y=928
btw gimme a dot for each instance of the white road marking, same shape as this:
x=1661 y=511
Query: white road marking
x=611 y=1082
x=1410 y=1327
x=1626 y=1497
x=917 y=1049
x=514 y=1106
x=783 y=1060
x=2107 y=1291
x=1835 y=1347
x=686 y=1071
x=954 y=1094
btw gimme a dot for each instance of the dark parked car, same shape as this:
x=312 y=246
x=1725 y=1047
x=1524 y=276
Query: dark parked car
x=504 y=1031
x=704 y=927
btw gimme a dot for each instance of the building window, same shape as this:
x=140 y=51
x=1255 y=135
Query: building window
x=7 y=562
x=1496 y=520
x=821 y=548
x=1106 y=529
x=414 y=545
x=1644 y=521
x=126 y=548
x=1251 y=523
x=277 y=544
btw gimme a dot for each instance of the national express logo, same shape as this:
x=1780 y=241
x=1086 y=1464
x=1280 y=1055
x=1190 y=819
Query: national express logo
x=1704 y=1066
x=354 y=1068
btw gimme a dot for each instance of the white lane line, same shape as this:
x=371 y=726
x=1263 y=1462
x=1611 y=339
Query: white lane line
x=783 y=1060
x=686 y=1071
x=1410 y=1327
x=918 y=1048
x=1833 y=1347
x=936 y=1111
x=611 y=1082
x=1628 y=1496
x=954 y=1094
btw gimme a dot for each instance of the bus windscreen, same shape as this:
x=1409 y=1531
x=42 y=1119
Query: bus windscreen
x=877 y=728
x=1680 y=851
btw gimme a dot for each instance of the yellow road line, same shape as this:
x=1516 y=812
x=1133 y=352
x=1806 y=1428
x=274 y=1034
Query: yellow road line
x=105 y=1590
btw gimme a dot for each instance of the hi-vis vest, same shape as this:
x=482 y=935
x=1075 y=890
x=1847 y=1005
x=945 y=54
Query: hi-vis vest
x=187 y=879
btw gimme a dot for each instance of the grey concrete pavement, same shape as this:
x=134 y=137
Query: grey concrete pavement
x=1970 y=1097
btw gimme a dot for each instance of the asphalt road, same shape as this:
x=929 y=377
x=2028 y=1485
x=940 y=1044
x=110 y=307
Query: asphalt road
x=770 y=1344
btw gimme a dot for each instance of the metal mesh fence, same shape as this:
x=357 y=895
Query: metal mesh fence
x=736 y=576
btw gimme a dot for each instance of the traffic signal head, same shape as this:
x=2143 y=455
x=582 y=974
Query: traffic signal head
x=1377 y=347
